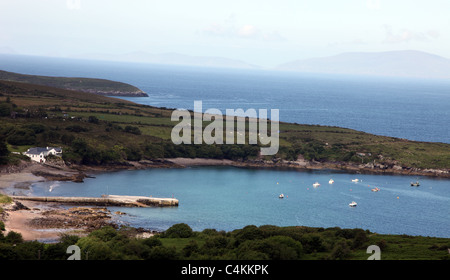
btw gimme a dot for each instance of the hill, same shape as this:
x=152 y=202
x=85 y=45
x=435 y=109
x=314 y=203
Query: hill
x=96 y=86
x=394 y=63
x=96 y=130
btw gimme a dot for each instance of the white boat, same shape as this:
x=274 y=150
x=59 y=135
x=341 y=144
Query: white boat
x=375 y=189
x=352 y=204
x=355 y=180
x=281 y=196
x=331 y=181
x=316 y=184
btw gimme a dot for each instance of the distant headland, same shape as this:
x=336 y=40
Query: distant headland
x=95 y=86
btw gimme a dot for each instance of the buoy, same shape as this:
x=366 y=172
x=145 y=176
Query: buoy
x=397 y=197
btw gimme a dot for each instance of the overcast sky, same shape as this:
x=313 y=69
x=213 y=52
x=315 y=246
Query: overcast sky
x=262 y=32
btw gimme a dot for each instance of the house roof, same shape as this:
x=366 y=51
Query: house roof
x=39 y=150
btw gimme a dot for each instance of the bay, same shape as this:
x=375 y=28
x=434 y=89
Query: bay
x=227 y=198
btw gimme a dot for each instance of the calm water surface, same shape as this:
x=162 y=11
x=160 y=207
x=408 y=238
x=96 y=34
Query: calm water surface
x=227 y=198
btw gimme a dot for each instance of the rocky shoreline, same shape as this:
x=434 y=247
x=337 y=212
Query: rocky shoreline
x=370 y=168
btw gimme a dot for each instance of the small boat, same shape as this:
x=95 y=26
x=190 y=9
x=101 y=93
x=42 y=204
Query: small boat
x=331 y=181
x=415 y=184
x=281 y=196
x=316 y=184
x=375 y=189
x=355 y=180
x=352 y=204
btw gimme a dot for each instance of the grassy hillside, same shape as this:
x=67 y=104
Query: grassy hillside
x=95 y=129
x=97 y=86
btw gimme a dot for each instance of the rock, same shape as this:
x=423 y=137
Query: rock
x=397 y=167
x=19 y=206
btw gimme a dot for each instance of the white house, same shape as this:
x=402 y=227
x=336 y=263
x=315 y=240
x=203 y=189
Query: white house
x=38 y=154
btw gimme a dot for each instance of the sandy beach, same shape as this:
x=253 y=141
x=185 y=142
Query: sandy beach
x=21 y=216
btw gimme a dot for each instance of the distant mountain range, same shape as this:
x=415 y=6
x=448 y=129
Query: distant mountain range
x=172 y=59
x=406 y=63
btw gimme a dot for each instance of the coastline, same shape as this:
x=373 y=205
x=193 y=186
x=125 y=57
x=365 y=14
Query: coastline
x=43 y=222
x=313 y=165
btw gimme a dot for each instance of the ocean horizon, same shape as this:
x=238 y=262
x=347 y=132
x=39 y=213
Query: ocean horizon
x=414 y=109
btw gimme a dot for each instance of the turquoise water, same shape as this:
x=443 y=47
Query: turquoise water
x=227 y=198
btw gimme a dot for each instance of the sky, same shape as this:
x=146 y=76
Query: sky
x=261 y=32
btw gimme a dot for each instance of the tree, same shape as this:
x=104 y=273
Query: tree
x=179 y=231
x=93 y=119
x=5 y=110
x=22 y=137
x=4 y=152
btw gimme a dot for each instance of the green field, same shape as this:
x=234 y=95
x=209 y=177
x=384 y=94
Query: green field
x=95 y=129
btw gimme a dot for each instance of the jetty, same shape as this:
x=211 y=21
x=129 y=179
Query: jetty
x=105 y=200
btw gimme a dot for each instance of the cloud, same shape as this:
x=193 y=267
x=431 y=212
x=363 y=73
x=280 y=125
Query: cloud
x=373 y=4
x=216 y=29
x=247 y=31
x=406 y=35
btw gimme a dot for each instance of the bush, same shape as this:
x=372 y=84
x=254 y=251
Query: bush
x=76 y=128
x=132 y=129
x=340 y=251
x=190 y=249
x=162 y=253
x=152 y=242
x=93 y=119
x=179 y=231
x=249 y=233
x=21 y=137
x=273 y=248
x=4 y=152
x=13 y=238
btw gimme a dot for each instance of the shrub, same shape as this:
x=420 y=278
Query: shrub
x=340 y=251
x=76 y=128
x=179 y=231
x=93 y=119
x=162 y=253
x=132 y=129
x=152 y=242
x=22 y=137
x=190 y=249
x=249 y=233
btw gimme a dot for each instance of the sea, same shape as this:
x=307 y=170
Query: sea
x=227 y=198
